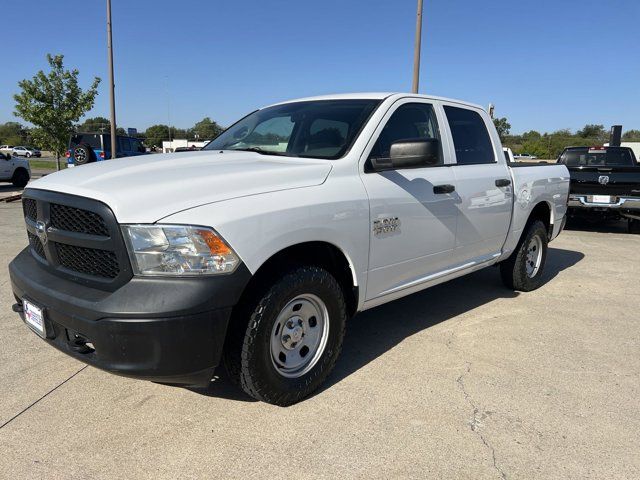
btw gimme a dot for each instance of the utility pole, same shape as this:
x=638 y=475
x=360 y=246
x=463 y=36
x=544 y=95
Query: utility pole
x=416 y=50
x=112 y=87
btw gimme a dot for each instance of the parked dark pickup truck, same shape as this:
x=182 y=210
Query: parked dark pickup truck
x=605 y=183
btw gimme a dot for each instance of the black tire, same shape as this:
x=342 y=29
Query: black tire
x=248 y=358
x=20 y=178
x=28 y=155
x=514 y=270
x=633 y=225
x=83 y=154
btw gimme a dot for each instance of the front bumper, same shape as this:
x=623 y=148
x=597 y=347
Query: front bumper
x=168 y=330
x=619 y=205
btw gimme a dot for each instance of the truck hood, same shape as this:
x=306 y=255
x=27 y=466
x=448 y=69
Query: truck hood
x=145 y=189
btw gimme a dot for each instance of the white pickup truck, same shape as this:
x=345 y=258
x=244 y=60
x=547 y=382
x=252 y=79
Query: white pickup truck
x=256 y=250
x=14 y=170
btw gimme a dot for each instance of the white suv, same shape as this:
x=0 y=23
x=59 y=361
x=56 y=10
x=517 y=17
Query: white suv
x=26 y=152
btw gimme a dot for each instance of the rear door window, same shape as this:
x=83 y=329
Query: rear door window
x=470 y=136
x=125 y=144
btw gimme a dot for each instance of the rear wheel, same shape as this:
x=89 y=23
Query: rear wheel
x=20 y=178
x=523 y=269
x=28 y=155
x=633 y=225
x=83 y=154
x=292 y=339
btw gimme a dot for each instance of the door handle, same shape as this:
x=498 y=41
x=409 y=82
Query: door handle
x=503 y=182
x=439 y=189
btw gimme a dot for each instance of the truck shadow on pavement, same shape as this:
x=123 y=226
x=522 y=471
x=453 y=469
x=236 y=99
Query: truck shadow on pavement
x=609 y=226
x=9 y=189
x=376 y=331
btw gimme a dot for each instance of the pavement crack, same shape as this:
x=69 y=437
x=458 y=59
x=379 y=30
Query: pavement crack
x=476 y=420
x=41 y=398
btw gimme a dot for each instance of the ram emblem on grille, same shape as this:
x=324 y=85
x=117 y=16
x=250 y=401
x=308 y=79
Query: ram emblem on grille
x=41 y=230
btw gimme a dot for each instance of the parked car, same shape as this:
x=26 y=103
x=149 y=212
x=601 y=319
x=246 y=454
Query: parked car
x=294 y=219
x=192 y=148
x=94 y=147
x=14 y=170
x=26 y=152
x=605 y=183
x=525 y=156
x=6 y=149
x=508 y=155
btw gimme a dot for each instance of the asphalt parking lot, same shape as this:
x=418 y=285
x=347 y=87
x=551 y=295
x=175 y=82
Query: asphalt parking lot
x=466 y=380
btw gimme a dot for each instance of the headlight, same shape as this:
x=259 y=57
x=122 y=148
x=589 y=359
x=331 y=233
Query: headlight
x=178 y=250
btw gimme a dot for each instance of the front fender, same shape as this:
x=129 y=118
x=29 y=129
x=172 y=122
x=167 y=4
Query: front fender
x=259 y=226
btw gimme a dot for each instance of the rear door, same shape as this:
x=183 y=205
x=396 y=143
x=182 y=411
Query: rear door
x=483 y=185
x=412 y=225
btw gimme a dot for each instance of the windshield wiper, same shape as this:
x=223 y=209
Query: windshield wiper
x=262 y=152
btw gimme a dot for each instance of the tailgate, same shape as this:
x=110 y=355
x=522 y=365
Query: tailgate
x=605 y=181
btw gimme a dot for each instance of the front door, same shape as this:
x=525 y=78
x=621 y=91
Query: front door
x=6 y=167
x=412 y=224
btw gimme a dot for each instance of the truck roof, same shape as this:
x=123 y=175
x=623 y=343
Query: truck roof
x=374 y=96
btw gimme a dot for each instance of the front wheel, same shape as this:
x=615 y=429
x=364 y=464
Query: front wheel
x=20 y=178
x=28 y=155
x=523 y=269
x=293 y=337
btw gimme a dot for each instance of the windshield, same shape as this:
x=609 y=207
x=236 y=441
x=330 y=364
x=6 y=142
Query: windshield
x=588 y=157
x=318 y=129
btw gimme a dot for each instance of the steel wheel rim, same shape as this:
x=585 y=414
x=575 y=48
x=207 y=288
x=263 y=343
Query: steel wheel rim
x=534 y=256
x=299 y=335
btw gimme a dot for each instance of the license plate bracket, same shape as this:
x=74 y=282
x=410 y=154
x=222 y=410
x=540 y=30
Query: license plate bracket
x=34 y=317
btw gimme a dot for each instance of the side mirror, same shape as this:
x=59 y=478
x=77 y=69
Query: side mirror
x=410 y=153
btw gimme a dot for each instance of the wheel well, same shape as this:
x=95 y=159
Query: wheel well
x=542 y=212
x=320 y=254
x=20 y=169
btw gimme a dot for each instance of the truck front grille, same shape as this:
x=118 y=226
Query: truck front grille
x=73 y=219
x=30 y=208
x=91 y=261
x=36 y=245
x=76 y=237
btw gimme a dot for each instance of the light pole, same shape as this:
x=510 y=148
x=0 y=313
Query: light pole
x=112 y=87
x=416 y=49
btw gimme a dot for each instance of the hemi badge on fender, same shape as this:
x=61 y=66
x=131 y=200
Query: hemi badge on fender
x=385 y=225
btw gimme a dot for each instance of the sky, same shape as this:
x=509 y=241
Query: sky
x=544 y=64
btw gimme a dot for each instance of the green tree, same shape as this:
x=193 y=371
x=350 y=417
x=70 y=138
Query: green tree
x=502 y=126
x=13 y=133
x=95 y=124
x=100 y=125
x=54 y=102
x=155 y=134
x=206 y=129
x=563 y=132
x=531 y=135
x=593 y=131
x=631 y=136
